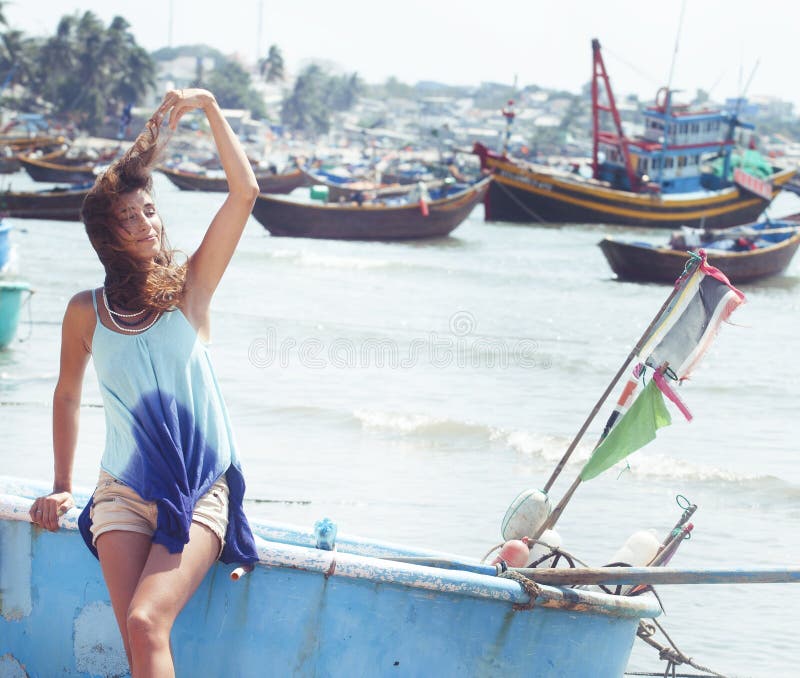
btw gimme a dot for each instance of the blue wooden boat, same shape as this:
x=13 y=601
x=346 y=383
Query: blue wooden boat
x=682 y=171
x=11 y=299
x=305 y=611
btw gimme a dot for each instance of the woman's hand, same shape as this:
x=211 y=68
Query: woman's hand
x=46 y=511
x=178 y=102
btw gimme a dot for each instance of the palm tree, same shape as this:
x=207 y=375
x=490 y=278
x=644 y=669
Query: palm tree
x=17 y=58
x=271 y=67
x=89 y=71
x=306 y=109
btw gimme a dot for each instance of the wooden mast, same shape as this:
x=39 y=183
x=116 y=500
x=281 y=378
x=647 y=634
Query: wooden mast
x=598 y=73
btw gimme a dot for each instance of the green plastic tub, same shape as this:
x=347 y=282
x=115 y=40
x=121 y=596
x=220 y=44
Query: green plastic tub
x=10 y=303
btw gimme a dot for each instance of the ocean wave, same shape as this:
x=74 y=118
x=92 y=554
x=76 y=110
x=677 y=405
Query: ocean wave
x=422 y=425
x=547 y=448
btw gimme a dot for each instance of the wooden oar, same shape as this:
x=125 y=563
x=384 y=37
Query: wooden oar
x=657 y=575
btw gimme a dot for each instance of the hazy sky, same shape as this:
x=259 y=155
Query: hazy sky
x=470 y=41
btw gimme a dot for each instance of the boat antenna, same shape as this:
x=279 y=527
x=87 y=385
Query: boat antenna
x=734 y=123
x=668 y=95
x=675 y=51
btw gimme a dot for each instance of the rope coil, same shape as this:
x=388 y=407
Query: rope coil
x=529 y=586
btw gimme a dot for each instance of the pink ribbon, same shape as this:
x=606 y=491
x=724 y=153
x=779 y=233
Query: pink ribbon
x=666 y=389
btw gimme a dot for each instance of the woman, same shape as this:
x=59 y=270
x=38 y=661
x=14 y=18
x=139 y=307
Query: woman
x=169 y=499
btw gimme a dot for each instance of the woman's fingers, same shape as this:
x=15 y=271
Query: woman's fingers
x=179 y=102
x=46 y=511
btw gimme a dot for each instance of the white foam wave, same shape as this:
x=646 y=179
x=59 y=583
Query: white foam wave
x=421 y=424
x=649 y=465
x=550 y=448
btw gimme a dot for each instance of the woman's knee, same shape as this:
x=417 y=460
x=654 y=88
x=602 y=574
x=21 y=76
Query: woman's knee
x=145 y=626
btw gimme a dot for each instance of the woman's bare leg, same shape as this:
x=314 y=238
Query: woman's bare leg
x=167 y=582
x=122 y=557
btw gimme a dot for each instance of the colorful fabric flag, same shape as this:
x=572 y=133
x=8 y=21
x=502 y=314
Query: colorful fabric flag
x=687 y=327
x=634 y=430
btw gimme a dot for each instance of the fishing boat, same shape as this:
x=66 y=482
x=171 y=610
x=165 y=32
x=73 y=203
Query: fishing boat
x=19 y=143
x=743 y=253
x=349 y=189
x=684 y=170
x=58 y=169
x=268 y=182
x=320 y=604
x=406 y=217
x=60 y=204
x=365 y=608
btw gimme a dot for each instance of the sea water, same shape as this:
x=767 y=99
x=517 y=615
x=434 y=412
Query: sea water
x=409 y=391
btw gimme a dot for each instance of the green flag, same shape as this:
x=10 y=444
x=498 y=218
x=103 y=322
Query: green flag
x=634 y=430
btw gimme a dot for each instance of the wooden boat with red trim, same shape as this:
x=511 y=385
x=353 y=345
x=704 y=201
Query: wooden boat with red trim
x=268 y=182
x=403 y=218
x=743 y=253
x=682 y=171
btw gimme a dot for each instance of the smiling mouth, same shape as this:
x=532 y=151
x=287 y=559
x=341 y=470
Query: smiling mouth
x=147 y=239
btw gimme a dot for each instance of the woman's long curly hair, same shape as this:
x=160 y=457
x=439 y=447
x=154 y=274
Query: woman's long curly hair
x=132 y=283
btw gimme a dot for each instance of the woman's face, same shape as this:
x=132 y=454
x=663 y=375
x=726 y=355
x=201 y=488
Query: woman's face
x=138 y=224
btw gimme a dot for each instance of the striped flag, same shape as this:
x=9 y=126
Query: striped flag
x=687 y=327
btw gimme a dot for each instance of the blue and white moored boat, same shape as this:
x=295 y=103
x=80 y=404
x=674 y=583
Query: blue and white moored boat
x=305 y=611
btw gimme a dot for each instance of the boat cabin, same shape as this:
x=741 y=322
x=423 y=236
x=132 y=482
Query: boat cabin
x=669 y=156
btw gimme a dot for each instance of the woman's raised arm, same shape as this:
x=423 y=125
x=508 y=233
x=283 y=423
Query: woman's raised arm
x=209 y=262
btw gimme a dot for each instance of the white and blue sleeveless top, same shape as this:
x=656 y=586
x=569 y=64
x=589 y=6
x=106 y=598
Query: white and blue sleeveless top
x=168 y=435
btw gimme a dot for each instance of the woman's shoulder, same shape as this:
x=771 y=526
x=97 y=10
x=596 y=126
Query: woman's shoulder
x=81 y=302
x=81 y=307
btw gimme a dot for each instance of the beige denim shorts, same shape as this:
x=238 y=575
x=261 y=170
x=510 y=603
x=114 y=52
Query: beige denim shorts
x=116 y=506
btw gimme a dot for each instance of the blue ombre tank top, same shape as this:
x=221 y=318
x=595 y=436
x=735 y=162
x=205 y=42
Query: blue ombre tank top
x=168 y=435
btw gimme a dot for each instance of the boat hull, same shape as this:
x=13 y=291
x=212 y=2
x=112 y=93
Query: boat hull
x=370 y=221
x=42 y=170
x=58 y=205
x=641 y=263
x=292 y=616
x=267 y=183
x=529 y=195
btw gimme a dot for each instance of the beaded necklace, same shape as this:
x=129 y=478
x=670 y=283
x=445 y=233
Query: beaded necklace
x=119 y=326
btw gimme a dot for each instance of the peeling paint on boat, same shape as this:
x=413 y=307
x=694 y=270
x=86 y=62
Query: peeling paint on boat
x=97 y=644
